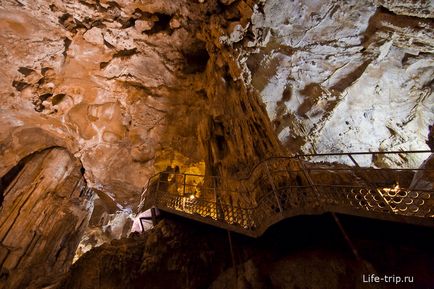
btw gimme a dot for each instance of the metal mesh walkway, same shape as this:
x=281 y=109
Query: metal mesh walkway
x=282 y=187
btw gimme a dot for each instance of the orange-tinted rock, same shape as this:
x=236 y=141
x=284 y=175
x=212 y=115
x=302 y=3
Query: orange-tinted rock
x=130 y=87
x=43 y=214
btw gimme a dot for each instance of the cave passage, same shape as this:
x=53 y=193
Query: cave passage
x=43 y=215
x=9 y=177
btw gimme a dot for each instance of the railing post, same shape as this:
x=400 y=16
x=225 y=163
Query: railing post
x=154 y=216
x=153 y=195
x=185 y=176
x=274 y=187
x=309 y=180
x=214 y=187
x=215 y=195
x=373 y=188
x=250 y=214
x=147 y=193
x=220 y=215
x=353 y=160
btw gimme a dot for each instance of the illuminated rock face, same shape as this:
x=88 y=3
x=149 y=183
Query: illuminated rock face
x=129 y=88
x=110 y=79
x=45 y=209
x=336 y=76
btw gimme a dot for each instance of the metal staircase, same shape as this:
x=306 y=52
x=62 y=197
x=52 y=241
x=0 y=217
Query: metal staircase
x=282 y=187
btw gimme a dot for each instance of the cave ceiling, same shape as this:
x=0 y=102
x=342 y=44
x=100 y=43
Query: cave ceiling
x=130 y=87
x=97 y=96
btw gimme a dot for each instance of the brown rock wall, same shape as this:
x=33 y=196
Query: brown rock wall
x=43 y=214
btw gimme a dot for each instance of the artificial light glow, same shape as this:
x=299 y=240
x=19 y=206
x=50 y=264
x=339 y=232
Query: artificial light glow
x=394 y=189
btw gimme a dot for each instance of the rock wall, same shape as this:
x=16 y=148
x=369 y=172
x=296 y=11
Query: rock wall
x=113 y=79
x=213 y=87
x=44 y=210
x=128 y=89
x=107 y=222
x=109 y=78
x=340 y=76
x=237 y=133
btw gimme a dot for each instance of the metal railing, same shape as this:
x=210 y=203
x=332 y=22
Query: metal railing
x=281 y=187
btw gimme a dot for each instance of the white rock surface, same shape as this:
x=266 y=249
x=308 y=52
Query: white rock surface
x=343 y=76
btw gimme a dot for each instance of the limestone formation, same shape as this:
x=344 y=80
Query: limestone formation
x=44 y=211
x=335 y=76
x=103 y=94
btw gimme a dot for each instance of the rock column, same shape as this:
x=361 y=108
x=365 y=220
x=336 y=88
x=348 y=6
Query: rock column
x=45 y=209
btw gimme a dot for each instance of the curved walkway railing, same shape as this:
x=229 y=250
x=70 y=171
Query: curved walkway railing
x=282 y=187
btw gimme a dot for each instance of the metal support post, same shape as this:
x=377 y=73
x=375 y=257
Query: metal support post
x=346 y=237
x=233 y=258
x=141 y=224
x=154 y=216
x=214 y=186
x=309 y=180
x=220 y=215
x=274 y=187
x=184 y=183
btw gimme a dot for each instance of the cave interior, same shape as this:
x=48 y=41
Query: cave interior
x=221 y=144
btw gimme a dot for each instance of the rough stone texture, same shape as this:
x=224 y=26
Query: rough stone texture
x=112 y=80
x=341 y=76
x=130 y=87
x=108 y=221
x=106 y=87
x=303 y=253
x=42 y=216
x=151 y=260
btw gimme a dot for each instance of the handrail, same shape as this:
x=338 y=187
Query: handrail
x=366 y=153
x=256 y=220
x=298 y=156
x=277 y=194
x=362 y=195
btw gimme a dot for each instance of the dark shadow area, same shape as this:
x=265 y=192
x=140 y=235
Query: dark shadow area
x=196 y=58
x=196 y=62
x=161 y=25
x=300 y=252
x=391 y=248
x=7 y=179
x=395 y=249
x=386 y=248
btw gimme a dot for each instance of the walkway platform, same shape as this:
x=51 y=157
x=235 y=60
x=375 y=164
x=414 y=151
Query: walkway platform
x=284 y=187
